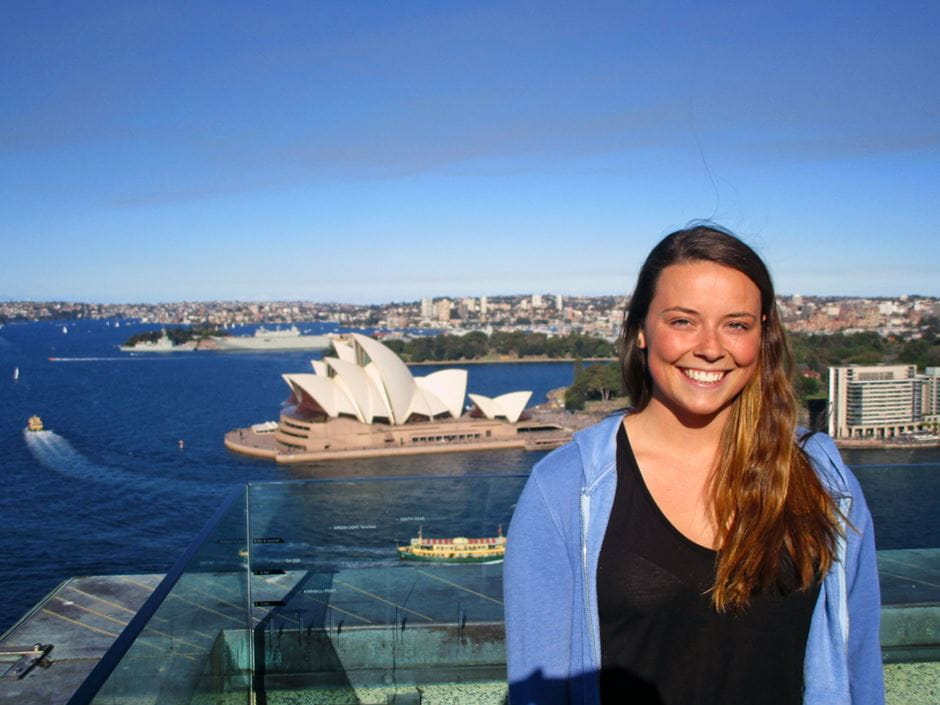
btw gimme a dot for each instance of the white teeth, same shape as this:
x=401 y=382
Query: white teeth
x=702 y=376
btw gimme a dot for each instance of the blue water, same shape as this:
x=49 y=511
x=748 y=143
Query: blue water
x=109 y=490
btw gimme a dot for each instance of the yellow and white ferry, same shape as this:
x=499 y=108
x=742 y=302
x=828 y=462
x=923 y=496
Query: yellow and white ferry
x=459 y=549
x=34 y=424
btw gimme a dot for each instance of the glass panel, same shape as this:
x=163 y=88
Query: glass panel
x=910 y=604
x=195 y=644
x=340 y=614
x=343 y=615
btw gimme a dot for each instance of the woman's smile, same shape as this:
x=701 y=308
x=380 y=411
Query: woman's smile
x=706 y=377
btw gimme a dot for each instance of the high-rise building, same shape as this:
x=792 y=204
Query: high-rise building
x=442 y=309
x=559 y=302
x=536 y=301
x=881 y=401
x=482 y=305
x=427 y=308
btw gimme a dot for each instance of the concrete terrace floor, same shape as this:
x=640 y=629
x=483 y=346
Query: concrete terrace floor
x=81 y=618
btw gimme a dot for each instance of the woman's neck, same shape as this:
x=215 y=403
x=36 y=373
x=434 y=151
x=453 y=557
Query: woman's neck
x=677 y=460
x=692 y=436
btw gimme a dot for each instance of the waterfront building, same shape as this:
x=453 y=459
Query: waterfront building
x=364 y=402
x=881 y=401
x=932 y=398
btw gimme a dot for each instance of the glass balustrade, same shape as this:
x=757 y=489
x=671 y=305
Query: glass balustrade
x=375 y=592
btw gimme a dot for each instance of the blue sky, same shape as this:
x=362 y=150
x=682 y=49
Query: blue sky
x=368 y=152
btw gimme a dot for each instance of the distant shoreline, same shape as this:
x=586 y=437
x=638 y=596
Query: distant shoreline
x=847 y=444
x=505 y=360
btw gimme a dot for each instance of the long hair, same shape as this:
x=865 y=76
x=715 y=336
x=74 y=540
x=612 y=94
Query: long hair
x=776 y=524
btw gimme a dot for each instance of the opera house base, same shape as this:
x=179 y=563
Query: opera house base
x=296 y=440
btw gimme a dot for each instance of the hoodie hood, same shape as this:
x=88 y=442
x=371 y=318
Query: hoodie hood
x=598 y=447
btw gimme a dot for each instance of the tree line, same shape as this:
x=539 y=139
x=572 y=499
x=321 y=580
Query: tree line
x=477 y=345
x=817 y=352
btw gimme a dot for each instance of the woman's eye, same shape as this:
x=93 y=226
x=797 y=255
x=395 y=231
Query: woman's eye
x=739 y=325
x=680 y=322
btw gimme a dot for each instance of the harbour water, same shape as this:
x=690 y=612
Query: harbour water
x=110 y=489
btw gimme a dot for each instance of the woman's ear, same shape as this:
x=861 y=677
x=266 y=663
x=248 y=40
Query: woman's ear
x=640 y=341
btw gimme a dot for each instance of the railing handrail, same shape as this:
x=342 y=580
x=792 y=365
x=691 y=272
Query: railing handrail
x=390 y=478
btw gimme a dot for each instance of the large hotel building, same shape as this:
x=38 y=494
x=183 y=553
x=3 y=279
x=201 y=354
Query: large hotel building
x=882 y=401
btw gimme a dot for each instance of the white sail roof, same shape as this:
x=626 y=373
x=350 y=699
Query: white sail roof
x=368 y=381
x=509 y=406
x=395 y=376
x=344 y=351
x=449 y=386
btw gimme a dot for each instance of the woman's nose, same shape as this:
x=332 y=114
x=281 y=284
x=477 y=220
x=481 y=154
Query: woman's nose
x=708 y=346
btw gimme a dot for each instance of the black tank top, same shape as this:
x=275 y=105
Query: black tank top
x=662 y=642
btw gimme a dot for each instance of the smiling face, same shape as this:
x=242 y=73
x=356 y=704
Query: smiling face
x=702 y=336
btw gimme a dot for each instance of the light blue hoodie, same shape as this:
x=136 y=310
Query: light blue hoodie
x=554 y=541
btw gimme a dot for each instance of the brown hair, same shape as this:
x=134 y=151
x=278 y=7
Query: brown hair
x=776 y=523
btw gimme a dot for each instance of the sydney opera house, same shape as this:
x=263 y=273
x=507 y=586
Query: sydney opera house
x=364 y=402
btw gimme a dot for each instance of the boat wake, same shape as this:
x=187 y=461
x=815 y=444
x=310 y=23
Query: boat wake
x=107 y=359
x=116 y=488
x=55 y=453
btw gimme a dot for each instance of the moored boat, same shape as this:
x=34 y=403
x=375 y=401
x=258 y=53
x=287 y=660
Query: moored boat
x=264 y=339
x=161 y=344
x=459 y=549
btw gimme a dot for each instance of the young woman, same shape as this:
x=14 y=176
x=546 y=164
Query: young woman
x=699 y=549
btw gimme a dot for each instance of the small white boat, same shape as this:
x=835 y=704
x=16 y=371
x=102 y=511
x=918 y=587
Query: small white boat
x=16 y=373
x=65 y=330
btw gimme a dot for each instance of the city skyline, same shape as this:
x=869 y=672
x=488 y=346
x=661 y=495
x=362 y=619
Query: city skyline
x=319 y=152
x=549 y=298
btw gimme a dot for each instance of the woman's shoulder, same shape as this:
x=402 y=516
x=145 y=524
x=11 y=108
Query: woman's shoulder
x=817 y=443
x=577 y=462
x=558 y=470
x=828 y=462
x=593 y=445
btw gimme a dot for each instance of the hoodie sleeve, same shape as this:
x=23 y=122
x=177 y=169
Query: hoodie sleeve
x=866 y=679
x=862 y=593
x=538 y=591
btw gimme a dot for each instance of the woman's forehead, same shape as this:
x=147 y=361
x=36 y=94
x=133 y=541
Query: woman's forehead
x=695 y=285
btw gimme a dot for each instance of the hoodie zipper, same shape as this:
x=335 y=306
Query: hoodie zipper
x=586 y=587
